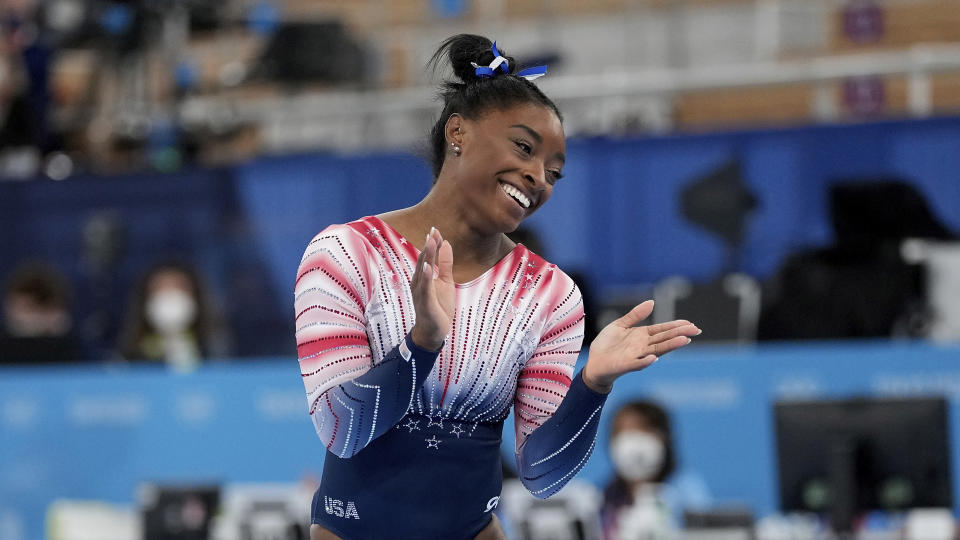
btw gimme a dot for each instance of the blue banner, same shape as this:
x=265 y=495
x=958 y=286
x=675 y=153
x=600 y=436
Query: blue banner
x=97 y=432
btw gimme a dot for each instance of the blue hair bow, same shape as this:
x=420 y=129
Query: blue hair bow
x=499 y=62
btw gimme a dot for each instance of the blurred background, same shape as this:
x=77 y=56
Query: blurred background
x=784 y=172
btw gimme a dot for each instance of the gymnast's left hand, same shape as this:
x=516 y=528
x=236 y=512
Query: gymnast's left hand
x=622 y=347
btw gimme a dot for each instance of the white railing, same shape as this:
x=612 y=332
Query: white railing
x=398 y=118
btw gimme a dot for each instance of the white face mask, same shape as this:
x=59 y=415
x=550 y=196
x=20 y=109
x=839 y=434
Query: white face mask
x=171 y=311
x=637 y=455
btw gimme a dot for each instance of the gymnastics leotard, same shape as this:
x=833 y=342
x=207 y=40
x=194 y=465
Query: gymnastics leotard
x=413 y=436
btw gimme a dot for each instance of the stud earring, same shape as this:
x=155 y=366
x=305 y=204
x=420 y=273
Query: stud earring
x=456 y=149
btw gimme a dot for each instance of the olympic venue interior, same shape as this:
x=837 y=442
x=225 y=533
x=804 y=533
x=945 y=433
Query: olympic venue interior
x=785 y=173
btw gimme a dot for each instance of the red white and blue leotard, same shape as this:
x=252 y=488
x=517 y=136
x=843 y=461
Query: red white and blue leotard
x=412 y=436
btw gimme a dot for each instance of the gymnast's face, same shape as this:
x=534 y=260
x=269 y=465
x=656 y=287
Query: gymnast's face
x=509 y=164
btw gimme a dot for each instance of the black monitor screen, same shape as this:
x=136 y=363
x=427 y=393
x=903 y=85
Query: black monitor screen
x=178 y=512
x=849 y=456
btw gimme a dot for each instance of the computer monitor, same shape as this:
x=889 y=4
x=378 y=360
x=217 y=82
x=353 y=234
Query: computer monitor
x=844 y=457
x=38 y=350
x=178 y=512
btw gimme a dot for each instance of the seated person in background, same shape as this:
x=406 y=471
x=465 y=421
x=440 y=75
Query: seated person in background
x=171 y=319
x=36 y=317
x=646 y=497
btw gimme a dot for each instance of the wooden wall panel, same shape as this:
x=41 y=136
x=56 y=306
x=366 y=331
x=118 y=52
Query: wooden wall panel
x=744 y=106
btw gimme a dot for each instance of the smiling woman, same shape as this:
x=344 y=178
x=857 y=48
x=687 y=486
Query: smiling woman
x=412 y=358
x=509 y=162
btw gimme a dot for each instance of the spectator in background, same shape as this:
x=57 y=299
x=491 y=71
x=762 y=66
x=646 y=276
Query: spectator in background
x=25 y=58
x=171 y=319
x=37 y=326
x=647 y=495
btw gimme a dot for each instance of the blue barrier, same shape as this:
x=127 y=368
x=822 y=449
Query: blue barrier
x=95 y=432
x=614 y=217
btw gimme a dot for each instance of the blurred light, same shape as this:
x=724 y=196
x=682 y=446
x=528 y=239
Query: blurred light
x=223 y=120
x=19 y=163
x=133 y=126
x=65 y=15
x=232 y=73
x=59 y=166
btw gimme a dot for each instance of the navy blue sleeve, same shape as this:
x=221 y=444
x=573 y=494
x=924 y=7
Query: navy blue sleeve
x=557 y=450
x=366 y=407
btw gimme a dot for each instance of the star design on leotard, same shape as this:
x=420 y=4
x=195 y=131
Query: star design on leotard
x=457 y=430
x=433 y=442
x=411 y=424
x=529 y=277
x=403 y=241
x=438 y=423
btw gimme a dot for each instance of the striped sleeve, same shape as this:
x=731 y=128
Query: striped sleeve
x=556 y=415
x=351 y=401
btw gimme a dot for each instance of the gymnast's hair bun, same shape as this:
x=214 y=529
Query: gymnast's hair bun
x=462 y=50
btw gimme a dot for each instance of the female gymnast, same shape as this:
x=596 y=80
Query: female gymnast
x=412 y=358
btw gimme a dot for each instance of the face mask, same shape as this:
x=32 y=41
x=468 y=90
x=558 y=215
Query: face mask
x=637 y=455
x=171 y=311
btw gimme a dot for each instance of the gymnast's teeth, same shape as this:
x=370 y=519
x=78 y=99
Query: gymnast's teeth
x=516 y=194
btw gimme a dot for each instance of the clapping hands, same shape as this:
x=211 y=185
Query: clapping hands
x=622 y=347
x=434 y=292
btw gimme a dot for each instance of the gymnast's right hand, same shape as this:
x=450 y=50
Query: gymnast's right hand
x=434 y=292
